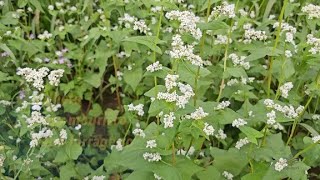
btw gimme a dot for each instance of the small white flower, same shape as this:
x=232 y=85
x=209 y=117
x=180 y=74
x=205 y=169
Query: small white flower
x=242 y=142
x=197 y=114
x=168 y=120
x=238 y=123
x=227 y=175
x=151 y=144
x=316 y=139
x=152 y=157
x=208 y=129
x=223 y=105
x=285 y=88
x=281 y=164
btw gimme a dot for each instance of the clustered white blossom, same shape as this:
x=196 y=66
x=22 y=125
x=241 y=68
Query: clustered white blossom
x=185 y=153
x=242 y=142
x=272 y=120
x=290 y=31
x=315 y=42
x=239 y=122
x=138 y=132
x=285 y=88
x=62 y=138
x=141 y=26
x=222 y=105
x=221 y=134
x=288 y=54
x=5 y=103
x=54 y=77
x=45 y=35
x=171 y=81
x=243 y=81
x=151 y=144
x=154 y=67
x=197 y=114
x=223 y=40
x=316 y=117
x=316 y=139
x=42 y=134
x=102 y=177
x=185 y=89
x=36 y=117
x=127 y=20
x=227 y=175
x=239 y=61
x=168 y=120
x=208 y=129
x=118 y=145
x=287 y=111
x=225 y=9
x=188 y=22
x=157 y=177
x=312 y=10
x=181 y=51
x=2 y=158
x=152 y=157
x=251 y=34
x=281 y=164
x=138 y=108
x=34 y=76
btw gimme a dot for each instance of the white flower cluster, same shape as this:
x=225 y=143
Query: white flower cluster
x=288 y=54
x=118 y=145
x=171 y=81
x=168 y=120
x=138 y=108
x=242 y=142
x=221 y=134
x=288 y=111
x=281 y=164
x=157 y=177
x=127 y=20
x=34 y=76
x=154 y=67
x=252 y=34
x=208 y=129
x=42 y=134
x=313 y=11
x=151 y=144
x=227 y=175
x=239 y=122
x=62 y=138
x=316 y=139
x=181 y=51
x=141 y=26
x=224 y=10
x=45 y=35
x=239 y=61
x=272 y=120
x=152 y=157
x=243 y=81
x=285 y=88
x=138 y=131
x=223 y=40
x=181 y=100
x=2 y=159
x=36 y=117
x=315 y=42
x=316 y=117
x=197 y=114
x=185 y=153
x=290 y=31
x=54 y=77
x=102 y=177
x=5 y=103
x=188 y=22
x=222 y=105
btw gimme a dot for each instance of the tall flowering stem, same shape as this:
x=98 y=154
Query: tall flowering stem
x=275 y=46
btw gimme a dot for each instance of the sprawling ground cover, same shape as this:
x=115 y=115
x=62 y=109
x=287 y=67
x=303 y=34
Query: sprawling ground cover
x=159 y=89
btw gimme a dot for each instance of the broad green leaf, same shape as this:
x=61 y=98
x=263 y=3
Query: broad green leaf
x=213 y=25
x=93 y=79
x=96 y=110
x=70 y=106
x=133 y=77
x=111 y=115
x=251 y=133
x=67 y=171
x=148 y=41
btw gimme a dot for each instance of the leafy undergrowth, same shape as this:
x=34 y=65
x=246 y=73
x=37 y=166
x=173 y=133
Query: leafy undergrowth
x=159 y=89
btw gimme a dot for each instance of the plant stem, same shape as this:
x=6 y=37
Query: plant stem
x=117 y=82
x=275 y=46
x=297 y=119
x=303 y=151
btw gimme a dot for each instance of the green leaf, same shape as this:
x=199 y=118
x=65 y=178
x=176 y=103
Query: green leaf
x=111 y=115
x=209 y=173
x=133 y=77
x=73 y=150
x=36 y=4
x=213 y=25
x=251 y=133
x=96 y=110
x=310 y=129
x=67 y=171
x=70 y=106
x=93 y=79
x=232 y=160
x=148 y=41
x=268 y=8
x=235 y=72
